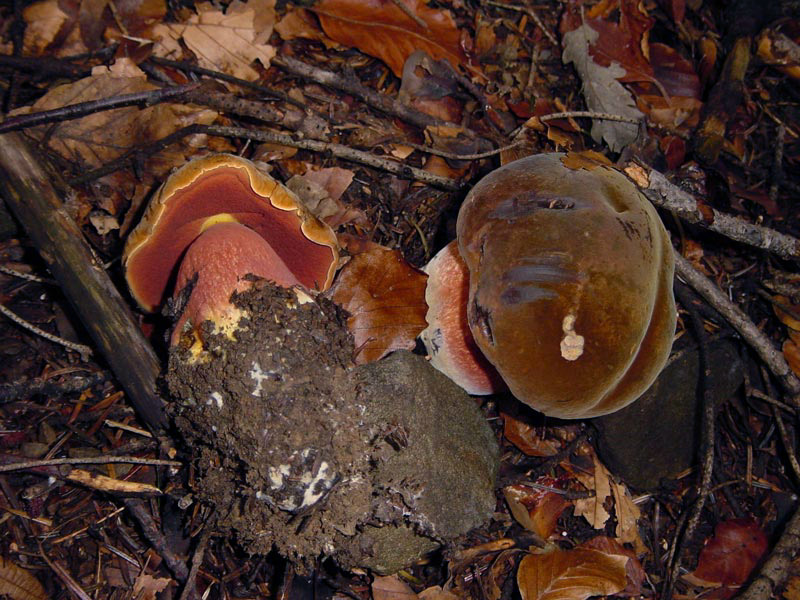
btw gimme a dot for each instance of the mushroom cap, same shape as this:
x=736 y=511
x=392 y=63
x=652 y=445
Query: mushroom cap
x=570 y=294
x=220 y=188
x=447 y=338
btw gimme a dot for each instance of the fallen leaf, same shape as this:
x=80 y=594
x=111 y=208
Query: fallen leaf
x=48 y=26
x=633 y=570
x=537 y=510
x=385 y=297
x=384 y=30
x=732 y=553
x=227 y=41
x=321 y=191
x=146 y=586
x=18 y=584
x=435 y=592
x=391 y=587
x=601 y=89
x=301 y=23
x=571 y=575
x=528 y=439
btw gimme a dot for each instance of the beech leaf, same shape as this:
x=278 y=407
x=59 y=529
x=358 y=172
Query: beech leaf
x=731 y=554
x=385 y=297
x=571 y=575
x=602 y=90
x=18 y=584
x=386 y=31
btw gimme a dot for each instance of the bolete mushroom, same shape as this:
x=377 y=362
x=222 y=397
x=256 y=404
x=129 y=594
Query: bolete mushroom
x=214 y=221
x=570 y=284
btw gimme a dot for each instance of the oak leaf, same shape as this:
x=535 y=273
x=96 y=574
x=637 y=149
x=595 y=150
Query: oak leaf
x=385 y=297
x=571 y=575
x=381 y=28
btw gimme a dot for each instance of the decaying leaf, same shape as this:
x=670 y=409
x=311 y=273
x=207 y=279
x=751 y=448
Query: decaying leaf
x=634 y=570
x=528 y=439
x=385 y=297
x=601 y=89
x=537 y=510
x=146 y=586
x=436 y=593
x=321 y=191
x=47 y=22
x=101 y=137
x=391 y=587
x=384 y=30
x=730 y=555
x=18 y=584
x=227 y=41
x=571 y=575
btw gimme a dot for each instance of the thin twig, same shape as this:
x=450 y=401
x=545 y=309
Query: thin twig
x=26 y=276
x=152 y=532
x=81 y=349
x=337 y=150
x=763 y=346
x=410 y=14
x=81 y=109
x=93 y=460
x=588 y=114
x=21 y=390
x=665 y=195
x=455 y=156
x=189 y=588
x=777 y=163
x=532 y=14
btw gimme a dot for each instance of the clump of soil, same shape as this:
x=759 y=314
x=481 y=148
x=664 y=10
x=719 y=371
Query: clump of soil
x=299 y=450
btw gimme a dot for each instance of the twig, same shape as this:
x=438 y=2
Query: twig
x=455 y=156
x=776 y=568
x=26 y=276
x=777 y=163
x=771 y=356
x=534 y=17
x=707 y=433
x=93 y=460
x=81 y=349
x=410 y=14
x=665 y=195
x=81 y=109
x=154 y=535
x=588 y=114
x=189 y=588
x=351 y=85
x=337 y=150
x=21 y=390
x=69 y=582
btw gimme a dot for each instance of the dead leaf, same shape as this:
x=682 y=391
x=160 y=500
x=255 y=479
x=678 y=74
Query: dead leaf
x=791 y=352
x=382 y=29
x=301 y=23
x=48 y=25
x=435 y=592
x=385 y=297
x=587 y=159
x=19 y=584
x=537 y=510
x=571 y=575
x=634 y=570
x=101 y=137
x=391 y=587
x=732 y=553
x=146 y=586
x=601 y=89
x=321 y=190
x=227 y=41
x=528 y=439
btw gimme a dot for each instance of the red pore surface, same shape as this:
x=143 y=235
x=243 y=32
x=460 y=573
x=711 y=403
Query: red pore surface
x=447 y=338
x=221 y=258
x=224 y=188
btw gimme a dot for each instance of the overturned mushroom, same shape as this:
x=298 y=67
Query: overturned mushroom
x=570 y=284
x=221 y=218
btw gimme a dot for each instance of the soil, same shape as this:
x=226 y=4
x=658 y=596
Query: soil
x=301 y=451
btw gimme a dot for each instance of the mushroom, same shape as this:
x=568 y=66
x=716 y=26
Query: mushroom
x=220 y=218
x=570 y=284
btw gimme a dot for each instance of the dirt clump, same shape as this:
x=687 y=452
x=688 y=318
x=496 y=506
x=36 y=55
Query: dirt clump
x=301 y=451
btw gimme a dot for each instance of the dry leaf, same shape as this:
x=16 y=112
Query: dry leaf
x=382 y=29
x=537 y=510
x=732 y=553
x=47 y=23
x=301 y=23
x=101 y=137
x=385 y=297
x=391 y=587
x=634 y=570
x=146 y=586
x=19 y=584
x=571 y=575
x=601 y=89
x=223 y=41
x=436 y=593
x=528 y=439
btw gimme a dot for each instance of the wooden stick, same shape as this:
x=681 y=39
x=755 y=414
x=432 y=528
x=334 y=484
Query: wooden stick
x=31 y=196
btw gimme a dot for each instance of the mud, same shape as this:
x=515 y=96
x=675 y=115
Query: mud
x=300 y=451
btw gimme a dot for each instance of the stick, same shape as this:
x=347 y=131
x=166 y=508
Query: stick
x=32 y=198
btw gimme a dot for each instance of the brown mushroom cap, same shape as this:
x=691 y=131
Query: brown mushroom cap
x=570 y=284
x=218 y=188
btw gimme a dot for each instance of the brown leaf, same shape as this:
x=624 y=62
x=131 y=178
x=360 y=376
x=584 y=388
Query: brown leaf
x=732 y=553
x=634 y=570
x=223 y=41
x=435 y=592
x=571 y=575
x=385 y=297
x=18 y=584
x=537 y=510
x=321 y=191
x=47 y=25
x=301 y=23
x=527 y=438
x=382 y=29
x=391 y=587
x=146 y=586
